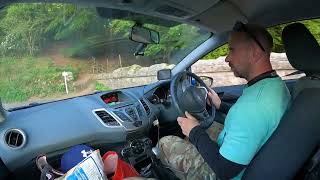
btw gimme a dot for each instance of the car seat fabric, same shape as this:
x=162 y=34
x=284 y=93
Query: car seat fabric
x=304 y=83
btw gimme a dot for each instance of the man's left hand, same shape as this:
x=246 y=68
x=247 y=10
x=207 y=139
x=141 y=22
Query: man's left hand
x=188 y=123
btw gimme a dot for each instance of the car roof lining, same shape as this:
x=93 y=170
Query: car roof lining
x=222 y=13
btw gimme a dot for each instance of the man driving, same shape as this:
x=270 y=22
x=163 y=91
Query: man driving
x=249 y=122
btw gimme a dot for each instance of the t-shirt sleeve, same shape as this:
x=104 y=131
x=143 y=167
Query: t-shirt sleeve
x=245 y=132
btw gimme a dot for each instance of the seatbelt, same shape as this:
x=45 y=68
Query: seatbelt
x=312 y=170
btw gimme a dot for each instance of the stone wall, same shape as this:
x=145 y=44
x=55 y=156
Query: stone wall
x=136 y=75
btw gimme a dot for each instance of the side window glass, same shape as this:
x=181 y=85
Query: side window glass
x=213 y=65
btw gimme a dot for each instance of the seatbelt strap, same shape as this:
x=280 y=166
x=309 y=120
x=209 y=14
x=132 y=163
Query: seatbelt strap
x=313 y=163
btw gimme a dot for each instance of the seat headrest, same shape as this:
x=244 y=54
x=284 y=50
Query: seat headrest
x=302 y=49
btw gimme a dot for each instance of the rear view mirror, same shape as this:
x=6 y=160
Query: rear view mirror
x=164 y=74
x=144 y=35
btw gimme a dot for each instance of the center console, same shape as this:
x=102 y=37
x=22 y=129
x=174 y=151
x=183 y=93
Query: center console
x=138 y=154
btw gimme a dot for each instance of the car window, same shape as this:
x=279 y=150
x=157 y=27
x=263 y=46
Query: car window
x=55 y=51
x=213 y=64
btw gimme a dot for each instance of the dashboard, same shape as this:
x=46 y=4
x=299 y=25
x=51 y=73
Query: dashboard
x=52 y=128
x=99 y=119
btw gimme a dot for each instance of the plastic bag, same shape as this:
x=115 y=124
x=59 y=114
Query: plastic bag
x=91 y=168
x=121 y=169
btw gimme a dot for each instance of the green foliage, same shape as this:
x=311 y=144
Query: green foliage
x=275 y=32
x=23 y=26
x=21 y=79
x=84 y=22
x=101 y=87
x=37 y=24
x=180 y=37
x=220 y=51
x=120 y=28
x=313 y=25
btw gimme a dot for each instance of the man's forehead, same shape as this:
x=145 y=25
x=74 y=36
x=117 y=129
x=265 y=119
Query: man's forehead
x=237 y=37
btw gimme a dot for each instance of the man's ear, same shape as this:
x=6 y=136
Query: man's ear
x=256 y=53
x=252 y=53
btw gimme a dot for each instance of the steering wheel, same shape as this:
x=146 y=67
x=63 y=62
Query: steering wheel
x=192 y=99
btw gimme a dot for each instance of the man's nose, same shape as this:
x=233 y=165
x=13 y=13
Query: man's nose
x=227 y=59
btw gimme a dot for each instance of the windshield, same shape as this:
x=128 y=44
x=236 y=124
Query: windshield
x=56 y=51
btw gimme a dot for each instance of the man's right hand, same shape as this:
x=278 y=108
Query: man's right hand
x=213 y=98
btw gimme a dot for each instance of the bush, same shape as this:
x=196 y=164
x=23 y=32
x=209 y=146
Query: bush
x=21 y=79
x=220 y=51
x=101 y=87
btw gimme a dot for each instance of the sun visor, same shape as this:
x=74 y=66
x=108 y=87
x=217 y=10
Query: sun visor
x=220 y=18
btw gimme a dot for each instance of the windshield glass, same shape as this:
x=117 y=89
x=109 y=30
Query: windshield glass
x=56 y=51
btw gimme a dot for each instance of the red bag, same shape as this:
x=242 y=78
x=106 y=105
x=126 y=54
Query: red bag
x=112 y=163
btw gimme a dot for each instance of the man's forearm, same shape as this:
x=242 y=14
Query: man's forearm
x=209 y=150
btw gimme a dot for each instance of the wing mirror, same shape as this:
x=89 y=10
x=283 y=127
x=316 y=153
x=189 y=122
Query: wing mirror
x=207 y=80
x=164 y=74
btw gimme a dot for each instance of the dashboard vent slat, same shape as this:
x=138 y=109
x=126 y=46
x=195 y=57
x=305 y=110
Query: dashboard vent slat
x=122 y=116
x=106 y=118
x=130 y=111
x=145 y=106
x=139 y=110
x=15 y=138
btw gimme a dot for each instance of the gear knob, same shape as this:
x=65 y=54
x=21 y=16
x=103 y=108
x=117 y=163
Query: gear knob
x=156 y=152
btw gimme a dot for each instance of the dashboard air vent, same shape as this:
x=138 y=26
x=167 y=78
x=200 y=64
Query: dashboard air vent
x=139 y=110
x=106 y=118
x=122 y=116
x=145 y=106
x=15 y=138
x=130 y=111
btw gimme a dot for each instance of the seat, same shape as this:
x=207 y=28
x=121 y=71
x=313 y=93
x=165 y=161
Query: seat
x=298 y=135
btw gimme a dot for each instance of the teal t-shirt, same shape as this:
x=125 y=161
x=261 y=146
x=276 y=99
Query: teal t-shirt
x=252 y=120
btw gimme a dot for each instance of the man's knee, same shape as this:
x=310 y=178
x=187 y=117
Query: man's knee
x=167 y=140
x=168 y=143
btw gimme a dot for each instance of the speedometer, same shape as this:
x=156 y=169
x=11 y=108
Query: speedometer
x=154 y=99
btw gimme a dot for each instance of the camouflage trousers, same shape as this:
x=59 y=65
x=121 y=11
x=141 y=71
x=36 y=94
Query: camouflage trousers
x=183 y=158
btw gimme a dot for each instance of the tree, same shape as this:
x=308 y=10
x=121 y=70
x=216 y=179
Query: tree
x=24 y=28
x=68 y=21
x=182 y=38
